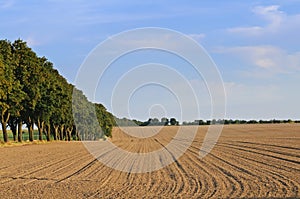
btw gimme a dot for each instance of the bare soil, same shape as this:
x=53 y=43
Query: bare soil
x=249 y=161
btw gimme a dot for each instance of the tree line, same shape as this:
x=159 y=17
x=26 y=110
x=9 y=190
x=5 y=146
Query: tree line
x=231 y=121
x=33 y=93
x=150 y=122
x=163 y=122
x=173 y=121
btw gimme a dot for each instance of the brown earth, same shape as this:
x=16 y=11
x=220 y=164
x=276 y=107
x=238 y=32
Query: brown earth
x=249 y=161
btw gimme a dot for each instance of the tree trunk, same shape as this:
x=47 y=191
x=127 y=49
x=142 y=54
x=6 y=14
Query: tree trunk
x=82 y=136
x=20 y=138
x=69 y=131
x=65 y=134
x=13 y=129
x=40 y=125
x=4 y=131
x=4 y=120
x=68 y=135
x=77 y=136
x=30 y=129
x=30 y=133
x=61 y=132
x=55 y=132
x=48 y=132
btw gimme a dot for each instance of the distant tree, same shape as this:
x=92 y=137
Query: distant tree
x=138 y=123
x=227 y=122
x=147 y=123
x=155 y=122
x=164 y=121
x=126 y=122
x=220 y=121
x=173 y=121
x=252 y=122
x=201 y=122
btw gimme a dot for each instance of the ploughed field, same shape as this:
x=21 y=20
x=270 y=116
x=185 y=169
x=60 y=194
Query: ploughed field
x=248 y=161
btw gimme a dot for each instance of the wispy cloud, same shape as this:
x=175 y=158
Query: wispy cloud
x=270 y=58
x=274 y=17
x=271 y=14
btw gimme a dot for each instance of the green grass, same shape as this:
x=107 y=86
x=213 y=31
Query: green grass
x=25 y=135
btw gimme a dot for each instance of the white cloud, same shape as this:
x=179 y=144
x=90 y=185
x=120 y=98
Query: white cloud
x=277 y=22
x=275 y=27
x=271 y=14
x=270 y=58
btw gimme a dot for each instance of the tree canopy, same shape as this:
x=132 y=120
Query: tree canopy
x=33 y=93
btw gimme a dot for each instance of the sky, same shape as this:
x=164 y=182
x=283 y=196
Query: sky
x=254 y=45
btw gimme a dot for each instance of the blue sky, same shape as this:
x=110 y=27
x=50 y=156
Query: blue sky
x=254 y=44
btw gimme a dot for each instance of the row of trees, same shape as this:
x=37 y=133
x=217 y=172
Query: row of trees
x=127 y=122
x=230 y=121
x=33 y=93
x=172 y=121
x=163 y=122
x=150 y=122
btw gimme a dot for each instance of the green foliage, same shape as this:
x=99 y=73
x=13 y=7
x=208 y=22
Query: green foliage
x=32 y=92
x=126 y=122
x=25 y=135
x=11 y=94
x=155 y=122
x=105 y=119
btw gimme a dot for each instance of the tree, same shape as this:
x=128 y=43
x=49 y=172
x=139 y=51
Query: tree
x=11 y=94
x=62 y=108
x=29 y=74
x=5 y=84
x=147 y=123
x=105 y=119
x=173 y=121
x=164 y=121
x=154 y=122
x=83 y=118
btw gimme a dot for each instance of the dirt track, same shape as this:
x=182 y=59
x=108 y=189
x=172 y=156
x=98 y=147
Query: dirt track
x=249 y=161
